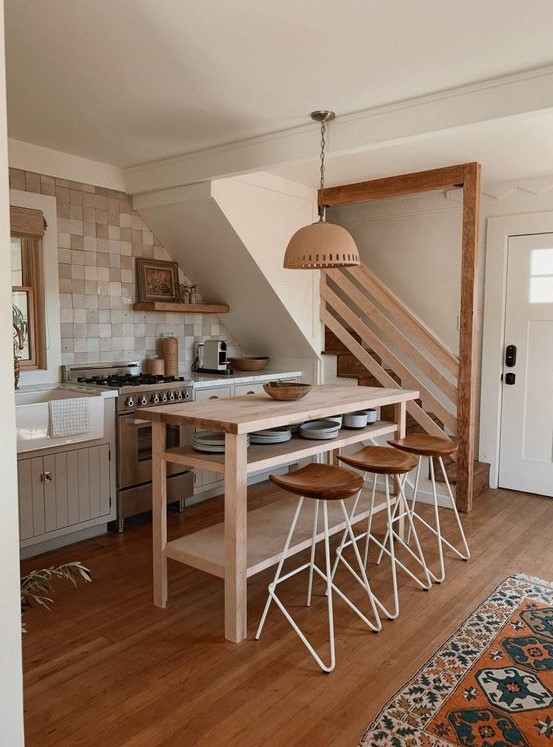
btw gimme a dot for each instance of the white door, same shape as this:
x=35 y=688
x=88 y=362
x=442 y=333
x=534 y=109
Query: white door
x=526 y=451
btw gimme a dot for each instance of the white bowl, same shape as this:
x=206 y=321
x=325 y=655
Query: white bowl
x=372 y=416
x=355 y=419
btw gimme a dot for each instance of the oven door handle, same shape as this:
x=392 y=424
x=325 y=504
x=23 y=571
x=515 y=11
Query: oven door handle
x=138 y=421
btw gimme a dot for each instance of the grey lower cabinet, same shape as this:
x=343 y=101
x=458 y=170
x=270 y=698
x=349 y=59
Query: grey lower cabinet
x=63 y=492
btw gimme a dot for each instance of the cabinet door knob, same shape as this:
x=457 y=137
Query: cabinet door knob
x=214 y=396
x=46 y=477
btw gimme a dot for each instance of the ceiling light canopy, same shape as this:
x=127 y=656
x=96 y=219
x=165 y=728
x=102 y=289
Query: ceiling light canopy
x=321 y=245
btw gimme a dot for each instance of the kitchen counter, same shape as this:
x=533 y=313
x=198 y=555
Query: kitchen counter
x=203 y=380
x=69 y=387
x=249 y=542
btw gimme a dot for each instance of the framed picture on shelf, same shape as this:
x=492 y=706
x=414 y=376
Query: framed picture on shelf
x=156 y=280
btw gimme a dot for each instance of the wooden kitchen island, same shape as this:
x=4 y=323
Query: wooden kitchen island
x=246 y=543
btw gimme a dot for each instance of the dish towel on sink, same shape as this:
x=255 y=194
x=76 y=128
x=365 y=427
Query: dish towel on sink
x=68 y=417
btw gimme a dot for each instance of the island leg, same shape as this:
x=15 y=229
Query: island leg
x=159 y=514
x=400 y=418
x=236 y=537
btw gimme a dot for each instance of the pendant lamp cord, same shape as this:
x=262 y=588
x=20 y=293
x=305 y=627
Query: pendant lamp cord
x=322 y=183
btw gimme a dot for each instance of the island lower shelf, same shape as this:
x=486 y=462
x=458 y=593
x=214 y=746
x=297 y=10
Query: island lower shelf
x=262 y=457
x=267 y=530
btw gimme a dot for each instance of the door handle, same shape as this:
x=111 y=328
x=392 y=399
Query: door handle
x=510 y=378
x=510 y=356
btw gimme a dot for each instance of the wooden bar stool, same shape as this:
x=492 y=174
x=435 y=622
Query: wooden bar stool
x=381 y=460
x=323 y=483
x=425 y=445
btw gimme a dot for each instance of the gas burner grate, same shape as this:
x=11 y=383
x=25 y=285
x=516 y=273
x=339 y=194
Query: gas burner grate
x=130 y=380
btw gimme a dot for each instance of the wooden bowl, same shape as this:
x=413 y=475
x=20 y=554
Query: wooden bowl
x=249 y=364
x=286 y=390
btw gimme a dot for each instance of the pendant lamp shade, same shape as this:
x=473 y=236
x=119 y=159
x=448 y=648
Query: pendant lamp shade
x=321 y=245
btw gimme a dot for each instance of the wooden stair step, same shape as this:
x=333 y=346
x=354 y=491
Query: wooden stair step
x=334 y=346
x=348 y=365
x=367 y=379
x=412 y=426
x=481 y=480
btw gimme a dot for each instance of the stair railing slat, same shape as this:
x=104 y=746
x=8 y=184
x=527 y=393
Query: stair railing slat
x=381 y=349
x=396 y=308
x=379 y=373
x=398 y=338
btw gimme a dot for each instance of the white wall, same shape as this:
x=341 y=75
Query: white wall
x=11 y=683
x=414 y=245
x=265 y=212
x=200 y=235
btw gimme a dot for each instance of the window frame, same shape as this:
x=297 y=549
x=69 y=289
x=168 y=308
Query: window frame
x=28 y=225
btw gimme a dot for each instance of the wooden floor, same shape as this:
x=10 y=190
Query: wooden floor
x=106 y=668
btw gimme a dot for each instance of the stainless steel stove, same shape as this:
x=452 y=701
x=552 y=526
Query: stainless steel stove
x=134 y=435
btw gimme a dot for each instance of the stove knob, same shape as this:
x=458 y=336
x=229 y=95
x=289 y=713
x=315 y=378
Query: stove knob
x=129 y=402
x=171 y=396
x=155 y=399
x=186 y=394
x=179 y=394
x=143 y=400
x=164 y=397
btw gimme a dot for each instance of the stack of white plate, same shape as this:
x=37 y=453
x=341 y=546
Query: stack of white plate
x=320 y=429
x=211 y=441
x=271 y=436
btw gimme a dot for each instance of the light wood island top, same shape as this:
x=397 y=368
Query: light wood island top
x=254 y=412
x=248 y=542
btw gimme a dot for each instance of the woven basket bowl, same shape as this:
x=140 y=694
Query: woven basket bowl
x=283 y=390
x=249 y=364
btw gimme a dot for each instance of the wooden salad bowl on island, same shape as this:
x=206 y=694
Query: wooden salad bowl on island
x=286 y=390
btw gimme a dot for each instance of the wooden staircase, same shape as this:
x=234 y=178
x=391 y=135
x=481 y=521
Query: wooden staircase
x=354 y=298
x=349 y=366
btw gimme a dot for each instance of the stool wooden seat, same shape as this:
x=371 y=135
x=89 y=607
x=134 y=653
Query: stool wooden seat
x=382 y=460
x=321 y=483
x=434 y=447
x=423 y=444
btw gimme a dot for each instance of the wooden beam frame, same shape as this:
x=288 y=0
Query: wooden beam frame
x=467 y=176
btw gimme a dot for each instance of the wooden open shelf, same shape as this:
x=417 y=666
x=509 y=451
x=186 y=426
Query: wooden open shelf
x=267 y=530
x=262 y=457
x=189 y=308
x=268 y=525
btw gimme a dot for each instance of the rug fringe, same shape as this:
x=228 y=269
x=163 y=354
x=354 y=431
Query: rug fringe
x=533 y=580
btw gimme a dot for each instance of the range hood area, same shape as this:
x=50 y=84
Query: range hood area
x=229 y=236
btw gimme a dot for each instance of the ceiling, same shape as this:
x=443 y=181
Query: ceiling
x=130 y=82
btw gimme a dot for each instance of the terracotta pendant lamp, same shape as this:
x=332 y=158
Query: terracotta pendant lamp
x=321 y=245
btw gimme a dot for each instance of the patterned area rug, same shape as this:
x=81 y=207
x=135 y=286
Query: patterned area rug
x=489 y=685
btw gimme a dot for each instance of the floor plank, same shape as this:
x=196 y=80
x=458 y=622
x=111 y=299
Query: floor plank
x=106 y=667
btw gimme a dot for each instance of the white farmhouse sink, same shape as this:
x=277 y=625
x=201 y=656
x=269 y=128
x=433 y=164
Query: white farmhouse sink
x=31 y=418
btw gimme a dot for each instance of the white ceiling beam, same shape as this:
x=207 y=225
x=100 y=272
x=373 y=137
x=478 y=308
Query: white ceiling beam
x=528 y=93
